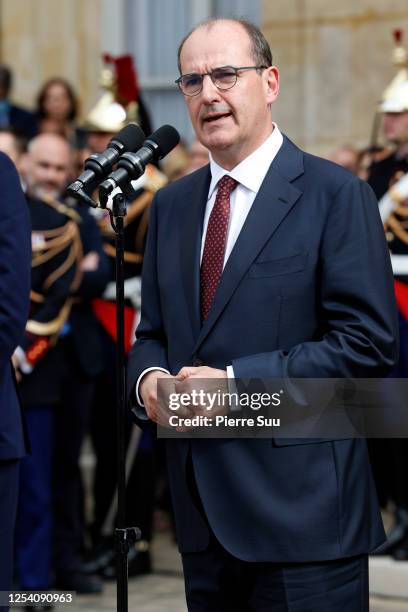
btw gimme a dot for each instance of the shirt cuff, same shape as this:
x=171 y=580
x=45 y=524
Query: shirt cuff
x=141 y=413
x=232 y=389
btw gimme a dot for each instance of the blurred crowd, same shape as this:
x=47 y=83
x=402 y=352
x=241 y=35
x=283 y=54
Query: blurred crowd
x=66 y=363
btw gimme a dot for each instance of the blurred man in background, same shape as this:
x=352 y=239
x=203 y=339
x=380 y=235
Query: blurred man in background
x=48 y=169
x=55 y=275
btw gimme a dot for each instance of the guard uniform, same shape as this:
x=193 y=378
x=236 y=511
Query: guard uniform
x=56 y=252
x=389 y=180
x=81 y=349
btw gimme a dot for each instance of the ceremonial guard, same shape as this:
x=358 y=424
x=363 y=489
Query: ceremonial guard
x=79 y=361
x=394 y=110
x=56 y=253
x=389 y=179
x=119 y=105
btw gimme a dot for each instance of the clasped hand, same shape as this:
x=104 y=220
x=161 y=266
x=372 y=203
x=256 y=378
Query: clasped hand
x=197 y=383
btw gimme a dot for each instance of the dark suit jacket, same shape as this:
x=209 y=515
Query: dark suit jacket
x=306 y=292
x=15 y=266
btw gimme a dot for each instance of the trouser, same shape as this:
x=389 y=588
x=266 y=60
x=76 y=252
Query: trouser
x=215 y=581
x=71 y=425
x=35 y=512
x=9 y=475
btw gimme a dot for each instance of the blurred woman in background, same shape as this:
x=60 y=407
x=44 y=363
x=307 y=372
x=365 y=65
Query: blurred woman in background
x=57 y=109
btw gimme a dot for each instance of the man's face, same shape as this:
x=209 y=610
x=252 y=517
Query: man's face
x=395 y=127
x=230 y=123
x=48 y=166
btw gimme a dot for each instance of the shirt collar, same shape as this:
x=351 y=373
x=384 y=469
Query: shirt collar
x=252 y=170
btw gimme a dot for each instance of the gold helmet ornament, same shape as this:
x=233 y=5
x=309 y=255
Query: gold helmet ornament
x=395 y=96
x=119 y=104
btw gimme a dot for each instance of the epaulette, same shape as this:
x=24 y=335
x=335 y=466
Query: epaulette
x=154 y=179
x=62 y=208
x=47 y=244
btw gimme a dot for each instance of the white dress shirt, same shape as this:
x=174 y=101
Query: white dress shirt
x=249 y=174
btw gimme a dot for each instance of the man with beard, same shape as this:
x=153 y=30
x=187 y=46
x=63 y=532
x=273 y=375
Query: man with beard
x=56 y=250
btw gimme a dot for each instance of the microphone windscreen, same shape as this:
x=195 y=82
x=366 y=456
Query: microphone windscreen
x=166 y=138
x=131 y=137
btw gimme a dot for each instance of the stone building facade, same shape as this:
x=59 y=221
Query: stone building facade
x=335 y=58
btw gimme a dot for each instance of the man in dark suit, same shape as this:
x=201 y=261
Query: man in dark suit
x=15 y=257
x=267 y=263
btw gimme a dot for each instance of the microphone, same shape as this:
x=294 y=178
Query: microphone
x=131 y=166
x=98 y=165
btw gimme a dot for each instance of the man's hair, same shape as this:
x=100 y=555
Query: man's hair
x=261 y=51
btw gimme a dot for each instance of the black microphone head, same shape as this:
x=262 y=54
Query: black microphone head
x=130 y=138
x=165 y=139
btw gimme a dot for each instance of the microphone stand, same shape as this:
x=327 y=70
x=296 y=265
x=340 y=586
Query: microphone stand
x=160 y=143
x=125 y=537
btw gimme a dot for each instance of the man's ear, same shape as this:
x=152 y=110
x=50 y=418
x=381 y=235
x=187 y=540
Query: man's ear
x=272 y=81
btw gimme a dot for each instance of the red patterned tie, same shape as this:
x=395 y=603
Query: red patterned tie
x=215 y=242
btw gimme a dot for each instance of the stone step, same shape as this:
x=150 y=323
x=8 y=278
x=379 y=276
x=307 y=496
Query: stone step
x=388 y=578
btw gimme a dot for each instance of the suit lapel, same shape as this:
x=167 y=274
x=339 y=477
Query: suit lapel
x=273 y=202
x=191 y=231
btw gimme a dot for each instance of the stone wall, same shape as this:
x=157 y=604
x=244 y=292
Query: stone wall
x=334 y=57
x=40 y=39
x=335 y=60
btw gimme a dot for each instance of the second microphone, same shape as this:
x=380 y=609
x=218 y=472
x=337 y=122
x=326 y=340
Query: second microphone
x=131 y=166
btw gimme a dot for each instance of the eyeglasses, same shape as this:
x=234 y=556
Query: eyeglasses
x=223 y=78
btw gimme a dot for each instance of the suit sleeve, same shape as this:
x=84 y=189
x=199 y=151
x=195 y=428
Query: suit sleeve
x=15 y=260
x=150 y=348
x=358 y=335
